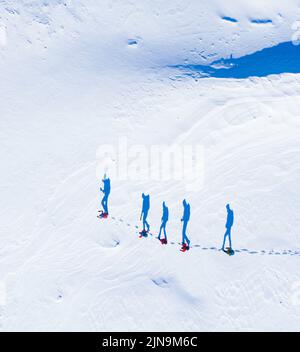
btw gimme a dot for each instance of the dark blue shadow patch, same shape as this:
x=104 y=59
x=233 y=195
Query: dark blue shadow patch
x=283 y=58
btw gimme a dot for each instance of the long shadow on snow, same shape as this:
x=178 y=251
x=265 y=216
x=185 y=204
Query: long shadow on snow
x=285 y=252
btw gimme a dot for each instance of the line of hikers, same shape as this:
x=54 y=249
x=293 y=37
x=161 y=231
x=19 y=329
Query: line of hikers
x=165 y=217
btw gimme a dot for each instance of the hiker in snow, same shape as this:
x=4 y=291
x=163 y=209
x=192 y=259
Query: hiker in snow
x=164 y=220
x=144 y=214
x=229 y=223
x=106 y=191
x=185 y=219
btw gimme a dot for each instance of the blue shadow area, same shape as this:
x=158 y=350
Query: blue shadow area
x=283 y=58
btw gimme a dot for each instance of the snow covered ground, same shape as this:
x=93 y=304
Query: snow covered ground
x=79 y=74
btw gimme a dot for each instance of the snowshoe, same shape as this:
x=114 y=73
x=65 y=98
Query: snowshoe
x=184 y=248
x=102 y=214
x=229 y=251
x=143 y=233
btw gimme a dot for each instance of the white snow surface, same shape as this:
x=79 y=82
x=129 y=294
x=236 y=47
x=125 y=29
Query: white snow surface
x=71 y=81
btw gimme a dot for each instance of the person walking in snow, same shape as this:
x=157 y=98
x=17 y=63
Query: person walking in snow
x=164 y=220
x=185 y=219
x=229 y=223
x=144 y=215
